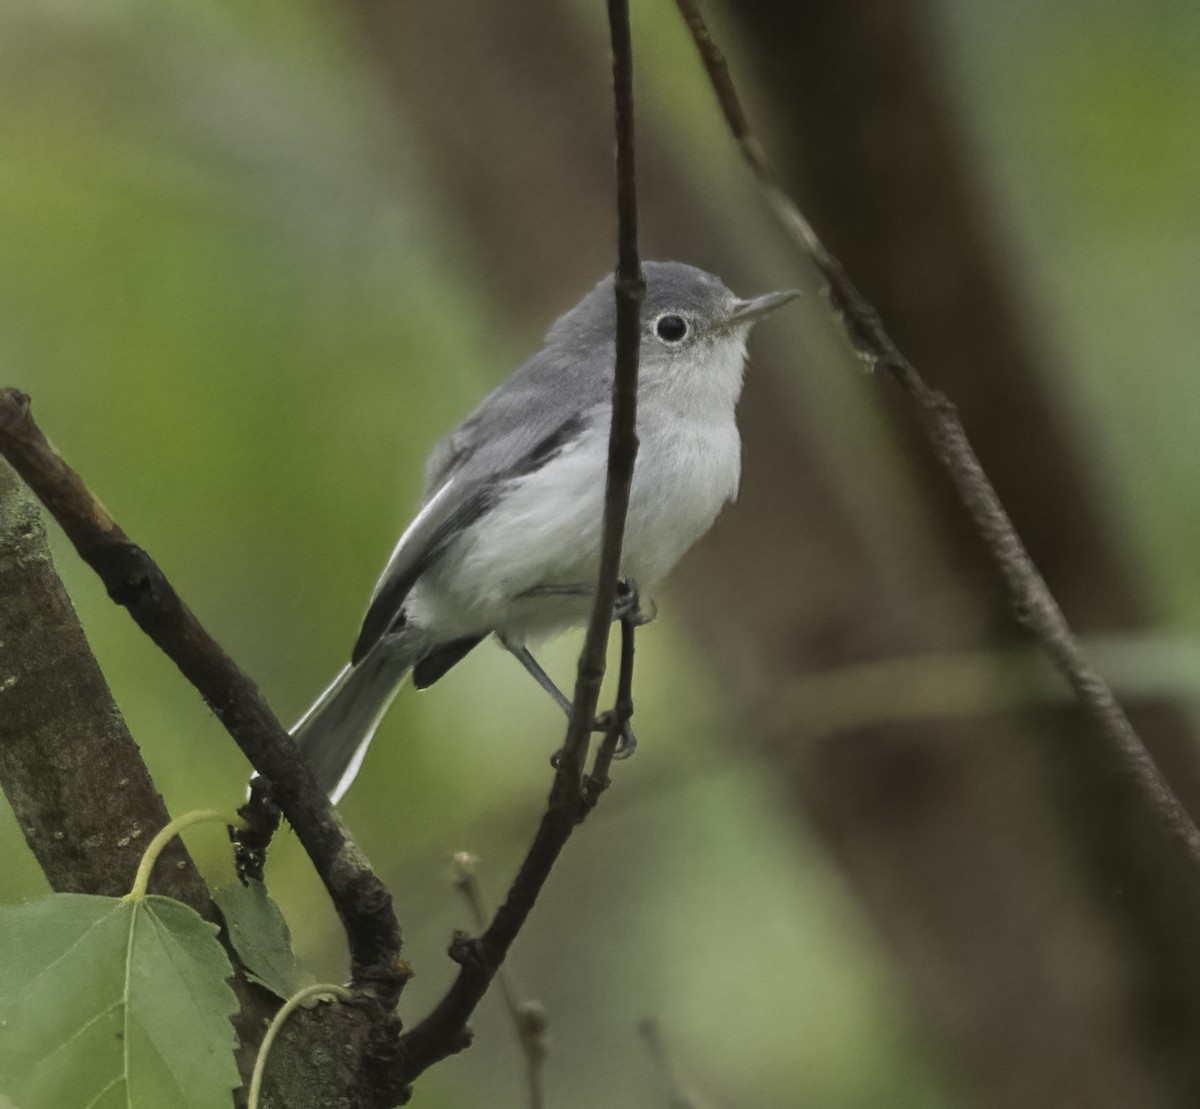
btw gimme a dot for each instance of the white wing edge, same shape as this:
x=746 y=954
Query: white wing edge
x=418 y=520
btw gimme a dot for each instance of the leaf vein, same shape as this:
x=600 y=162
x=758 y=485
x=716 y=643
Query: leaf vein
x=109 y=1086
x=79 y=1031
x=50 y=966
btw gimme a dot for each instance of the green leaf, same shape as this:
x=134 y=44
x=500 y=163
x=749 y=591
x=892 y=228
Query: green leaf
x=260 y=936
x=114 y=1004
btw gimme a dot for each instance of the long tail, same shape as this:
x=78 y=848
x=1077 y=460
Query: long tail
x=334 y=734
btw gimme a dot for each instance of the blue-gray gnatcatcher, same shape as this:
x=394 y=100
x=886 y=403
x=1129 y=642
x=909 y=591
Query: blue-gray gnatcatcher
x=507 y=540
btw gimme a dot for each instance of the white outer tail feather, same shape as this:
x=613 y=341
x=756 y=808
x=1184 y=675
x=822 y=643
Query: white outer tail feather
x=335 y=732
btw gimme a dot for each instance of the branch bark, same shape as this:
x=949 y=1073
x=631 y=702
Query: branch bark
x=65 y=752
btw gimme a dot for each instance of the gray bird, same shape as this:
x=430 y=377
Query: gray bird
x=507 y=539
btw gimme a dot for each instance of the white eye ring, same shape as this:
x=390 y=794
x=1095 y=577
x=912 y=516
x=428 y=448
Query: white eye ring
x=671 y=328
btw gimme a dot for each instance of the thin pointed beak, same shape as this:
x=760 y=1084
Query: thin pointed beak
x=751 y=311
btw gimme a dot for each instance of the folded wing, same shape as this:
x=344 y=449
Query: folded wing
x=519 y=427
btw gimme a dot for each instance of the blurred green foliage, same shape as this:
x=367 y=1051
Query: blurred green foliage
x=243 y=317
x=1086 y=116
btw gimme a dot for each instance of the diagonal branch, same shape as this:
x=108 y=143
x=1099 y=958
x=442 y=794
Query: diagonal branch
x=135 y=581
x=1030 y=598
x=444 y=1031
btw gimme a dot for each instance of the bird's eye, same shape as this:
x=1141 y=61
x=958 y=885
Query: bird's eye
x=671 y=329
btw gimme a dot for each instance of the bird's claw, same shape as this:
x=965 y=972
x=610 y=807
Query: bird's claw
x=628 y=605
x=626 y=745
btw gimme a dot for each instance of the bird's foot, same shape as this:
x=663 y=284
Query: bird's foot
x=628 y=606
x=626 y=745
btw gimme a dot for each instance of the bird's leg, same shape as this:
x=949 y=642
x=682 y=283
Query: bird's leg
x=523 y=655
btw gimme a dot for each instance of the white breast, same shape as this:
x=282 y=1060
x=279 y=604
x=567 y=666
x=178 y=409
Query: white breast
x=690 y=460
x=546 y=530
x=683 y=478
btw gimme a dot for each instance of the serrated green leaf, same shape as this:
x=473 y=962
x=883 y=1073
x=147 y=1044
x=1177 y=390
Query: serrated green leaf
x=114 y=1004
x=259 y=934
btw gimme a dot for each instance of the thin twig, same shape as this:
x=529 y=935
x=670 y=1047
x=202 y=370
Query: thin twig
x=528 y=1016
x=134 y=580
x=1030 y=598
x=617 y=720
x=444 y=1031
x=624 y=705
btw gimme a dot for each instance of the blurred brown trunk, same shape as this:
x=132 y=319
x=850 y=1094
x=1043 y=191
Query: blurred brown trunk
x=1047 y=991
x=872 y=149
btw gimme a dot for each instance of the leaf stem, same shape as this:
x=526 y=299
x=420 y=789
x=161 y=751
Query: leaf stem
x=289 y=1007
x=159 y=842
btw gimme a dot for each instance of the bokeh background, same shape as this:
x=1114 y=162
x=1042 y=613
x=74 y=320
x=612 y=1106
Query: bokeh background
x=256 y=258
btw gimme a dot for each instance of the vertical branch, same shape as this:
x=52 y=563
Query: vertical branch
x=444 y=1030
x=629 y=287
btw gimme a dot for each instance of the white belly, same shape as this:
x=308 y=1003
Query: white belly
x=546 y=533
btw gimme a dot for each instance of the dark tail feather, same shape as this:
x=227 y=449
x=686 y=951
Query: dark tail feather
x=334 y=734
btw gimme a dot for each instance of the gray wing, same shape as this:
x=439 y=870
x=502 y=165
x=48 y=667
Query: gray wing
x=518 y=428
x=454 y=507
